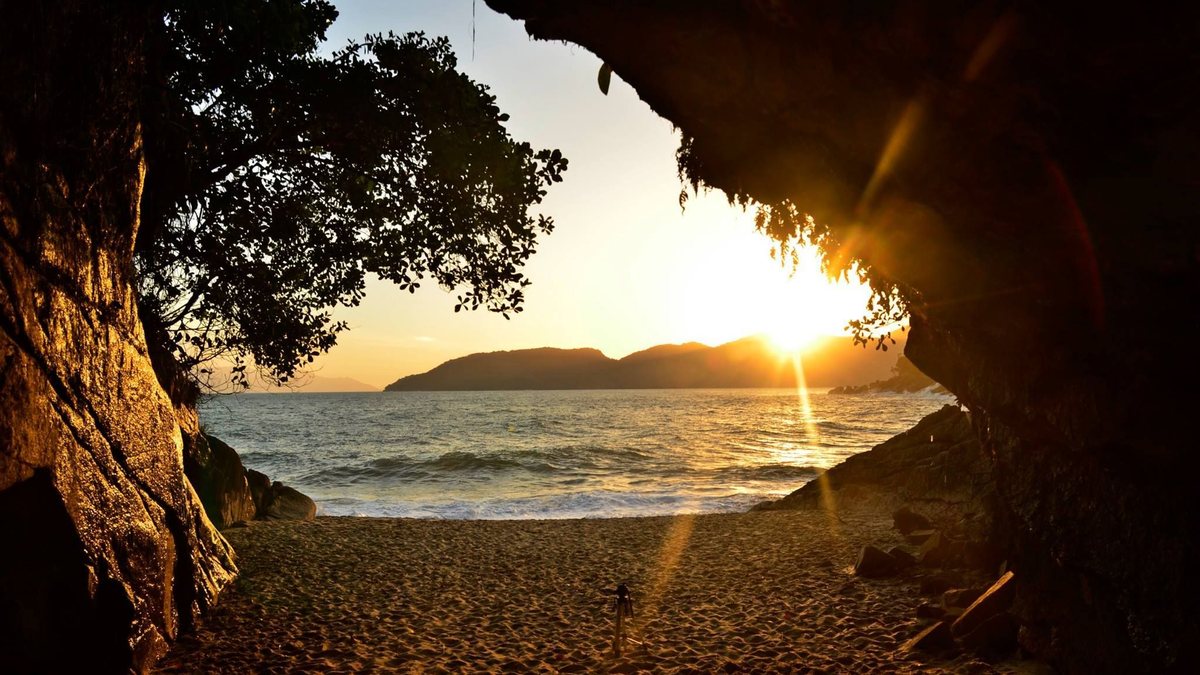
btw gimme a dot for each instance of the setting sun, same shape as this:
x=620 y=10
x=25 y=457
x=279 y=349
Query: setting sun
x=829 y=306
x=731 y=288
x=792 y=339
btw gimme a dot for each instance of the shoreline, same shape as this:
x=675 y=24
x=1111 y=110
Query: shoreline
x=749 y=507
x=728 y=592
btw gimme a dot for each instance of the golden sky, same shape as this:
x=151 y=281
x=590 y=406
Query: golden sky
x=625 y=269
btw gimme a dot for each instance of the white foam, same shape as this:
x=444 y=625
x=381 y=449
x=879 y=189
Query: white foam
x=596 y=504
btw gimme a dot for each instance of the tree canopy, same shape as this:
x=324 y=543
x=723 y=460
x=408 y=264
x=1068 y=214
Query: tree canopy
x=280 y=178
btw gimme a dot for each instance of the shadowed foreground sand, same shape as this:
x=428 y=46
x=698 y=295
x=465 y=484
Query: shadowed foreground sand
x=755 y=592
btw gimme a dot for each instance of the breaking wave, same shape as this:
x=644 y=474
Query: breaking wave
x=552 y=454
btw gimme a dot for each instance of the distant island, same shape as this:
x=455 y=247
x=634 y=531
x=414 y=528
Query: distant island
x=308 y=383
x=316 y=384
x=749 y=362
x=906 y=378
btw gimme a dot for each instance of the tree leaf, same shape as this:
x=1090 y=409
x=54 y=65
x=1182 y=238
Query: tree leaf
x=604 y=78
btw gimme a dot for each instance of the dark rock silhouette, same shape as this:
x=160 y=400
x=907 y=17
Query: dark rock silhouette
x=216 y=472
x=287 y=503
x=260 y=489
x=107 y=552
x=934 y=474
x=233 y=494
x=930 y=611
x=1026 y=173
x=545 y=368
x=908 y=521
x=937 y=550
x=992 y=602
x=874 y=563
x=994 y=638
x=906 y=378
x=749 y=362
x=919 y=537
x=904 y=559
x=961 y=597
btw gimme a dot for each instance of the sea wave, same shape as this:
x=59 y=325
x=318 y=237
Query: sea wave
x=768 y=472
x=570 y=462
x=553 y=454
x=396 y=467
x=591 y=504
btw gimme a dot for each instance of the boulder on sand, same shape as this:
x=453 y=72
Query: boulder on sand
x=216 y=473
x=289 y=504
x=948 y=479
x=933 y=550
x=260 y=489
x=874 y=563
x=904 y=559
x=231 y=493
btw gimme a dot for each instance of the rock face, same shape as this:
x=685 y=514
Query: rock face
x=216 y=473
x=260 y=489
x=995 y=600
x=906 y=378
x=229 y=492
x=107 y=552
x=1026 y=174
x=947 y=479
x=907 y=521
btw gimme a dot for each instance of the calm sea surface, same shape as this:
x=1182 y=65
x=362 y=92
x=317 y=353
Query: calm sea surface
x=552 y=454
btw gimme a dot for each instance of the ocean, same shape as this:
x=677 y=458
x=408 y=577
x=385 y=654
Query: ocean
x=553 y=454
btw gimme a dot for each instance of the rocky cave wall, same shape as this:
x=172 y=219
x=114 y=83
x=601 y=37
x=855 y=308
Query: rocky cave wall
x=1027 y=174
x=107 y=553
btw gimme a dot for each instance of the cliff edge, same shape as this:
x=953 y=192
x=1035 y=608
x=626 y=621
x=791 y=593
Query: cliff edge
x=1024 y=175
x=107 y=552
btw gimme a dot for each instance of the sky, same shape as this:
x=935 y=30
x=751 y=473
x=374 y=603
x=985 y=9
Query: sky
x=625 y=268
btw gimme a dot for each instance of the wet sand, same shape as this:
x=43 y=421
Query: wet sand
x=754 y=592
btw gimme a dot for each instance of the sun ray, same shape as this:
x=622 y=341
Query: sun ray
x=674 y=544
x=812 y=435
x=897 y=143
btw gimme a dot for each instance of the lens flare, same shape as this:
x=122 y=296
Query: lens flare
x=897 y=143
x=812 y=434
x=678 y=534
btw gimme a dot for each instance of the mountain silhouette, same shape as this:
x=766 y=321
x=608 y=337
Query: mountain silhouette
x=748 y=362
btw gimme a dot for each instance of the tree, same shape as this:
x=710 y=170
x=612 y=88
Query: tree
x=279 y=179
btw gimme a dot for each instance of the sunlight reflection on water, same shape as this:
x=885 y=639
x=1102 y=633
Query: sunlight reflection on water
x=553 y=454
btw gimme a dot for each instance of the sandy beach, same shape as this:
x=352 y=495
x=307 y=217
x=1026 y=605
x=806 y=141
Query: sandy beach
x=755 y=592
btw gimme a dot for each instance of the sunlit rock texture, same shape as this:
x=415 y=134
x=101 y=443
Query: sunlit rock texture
x=106 y=554
x=936 y=469
x=1028 y=175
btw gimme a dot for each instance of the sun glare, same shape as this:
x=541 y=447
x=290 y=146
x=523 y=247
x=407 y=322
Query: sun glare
x=792 y=334
x=730 y=291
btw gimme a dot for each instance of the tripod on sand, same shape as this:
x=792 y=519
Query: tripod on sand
x=623 y=609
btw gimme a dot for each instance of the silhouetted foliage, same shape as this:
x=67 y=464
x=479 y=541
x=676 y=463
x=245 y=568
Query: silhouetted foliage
x=279 y=179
